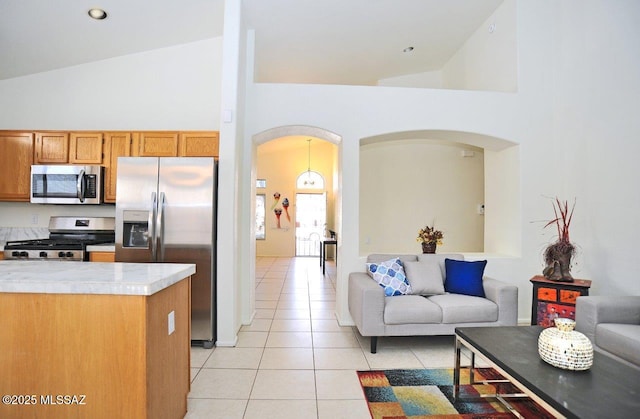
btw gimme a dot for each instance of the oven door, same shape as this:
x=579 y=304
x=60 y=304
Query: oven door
x=66 y=184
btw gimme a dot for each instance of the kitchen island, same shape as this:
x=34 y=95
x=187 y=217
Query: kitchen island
x=98 y=340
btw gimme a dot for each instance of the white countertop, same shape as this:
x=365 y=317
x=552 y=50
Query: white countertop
x=108 y=247
x=64 y=277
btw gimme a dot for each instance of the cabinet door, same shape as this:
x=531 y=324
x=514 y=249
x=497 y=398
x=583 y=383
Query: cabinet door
x=158 y=144
x=52 y=147
x=117 y=145
x=85 y=148
x=102 y=257
x=16 y=158
x=198 y=144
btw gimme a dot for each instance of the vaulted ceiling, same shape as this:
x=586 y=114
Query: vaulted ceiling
x=297 y=41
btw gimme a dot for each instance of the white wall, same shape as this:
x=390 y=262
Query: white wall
x=597 y=79
x=488 y=60
x=21 y=214
x=407 y=184
x=429 y=79
x=175 y=88
x=600 y=111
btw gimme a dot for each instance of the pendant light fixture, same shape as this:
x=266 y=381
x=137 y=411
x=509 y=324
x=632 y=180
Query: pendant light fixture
x=309 y=181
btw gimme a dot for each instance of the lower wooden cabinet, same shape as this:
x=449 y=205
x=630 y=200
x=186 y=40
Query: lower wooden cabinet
x=114 y=354
x=102 y=257
x=1 y=255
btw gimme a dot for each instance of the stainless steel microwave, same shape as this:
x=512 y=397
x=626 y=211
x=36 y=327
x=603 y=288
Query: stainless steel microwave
x=66 y=184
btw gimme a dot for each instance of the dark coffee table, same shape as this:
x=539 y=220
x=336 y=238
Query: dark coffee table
x=609 y=389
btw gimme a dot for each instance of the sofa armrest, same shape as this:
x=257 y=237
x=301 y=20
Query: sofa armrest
x=595 y=309
x=366 y=304
x=505 y=296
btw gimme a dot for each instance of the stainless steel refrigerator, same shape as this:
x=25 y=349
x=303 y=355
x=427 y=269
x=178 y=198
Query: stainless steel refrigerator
x=166 y=212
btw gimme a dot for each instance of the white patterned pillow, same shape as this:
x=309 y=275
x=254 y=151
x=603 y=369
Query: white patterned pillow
x=390 y=276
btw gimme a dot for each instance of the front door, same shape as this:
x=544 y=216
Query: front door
x=311 y=218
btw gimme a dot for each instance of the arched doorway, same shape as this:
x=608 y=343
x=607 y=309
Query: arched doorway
x=285 y=231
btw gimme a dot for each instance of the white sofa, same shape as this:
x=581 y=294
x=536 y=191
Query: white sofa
x=612 y=323
x=410 y=315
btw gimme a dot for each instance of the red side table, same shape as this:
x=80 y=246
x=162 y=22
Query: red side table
x=553 y=299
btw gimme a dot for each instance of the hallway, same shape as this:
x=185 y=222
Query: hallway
x=294 y=360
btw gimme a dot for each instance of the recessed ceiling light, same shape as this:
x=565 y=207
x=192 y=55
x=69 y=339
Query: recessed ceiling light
x=97 y=14
x=407 y=49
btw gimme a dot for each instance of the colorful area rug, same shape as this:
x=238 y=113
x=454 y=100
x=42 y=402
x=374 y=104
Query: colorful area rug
x=414 y=394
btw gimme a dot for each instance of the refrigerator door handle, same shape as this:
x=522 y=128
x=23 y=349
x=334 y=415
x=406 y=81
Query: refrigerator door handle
x=152 y=226
x=160 y=227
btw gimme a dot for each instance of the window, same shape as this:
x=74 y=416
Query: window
x=260 y=215
x=310 y=180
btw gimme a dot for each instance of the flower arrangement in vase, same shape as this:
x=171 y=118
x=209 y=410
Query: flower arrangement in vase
x=558 y=255
x=430 y=239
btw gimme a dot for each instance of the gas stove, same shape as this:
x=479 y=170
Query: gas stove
x=68 y=239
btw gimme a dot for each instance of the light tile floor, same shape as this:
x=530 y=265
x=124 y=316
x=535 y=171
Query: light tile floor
x=294 y=360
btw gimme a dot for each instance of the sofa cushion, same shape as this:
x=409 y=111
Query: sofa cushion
x=464 y=277
x=425 y=278
x=411 y=309
x=390 y=276
x=458 y=308
x=439 y=258
x=622 y=340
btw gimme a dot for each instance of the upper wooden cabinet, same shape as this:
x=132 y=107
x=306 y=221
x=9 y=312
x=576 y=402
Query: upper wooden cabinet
x=198 y=144
x=177 y=144
x=85 y=148
x=16 y=158
x=117 y=144
x=157 y=144
x=52 y=147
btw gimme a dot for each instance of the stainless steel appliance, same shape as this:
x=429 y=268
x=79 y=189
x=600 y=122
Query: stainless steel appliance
x=166 y=212
x=68 y=239
x=66 y=184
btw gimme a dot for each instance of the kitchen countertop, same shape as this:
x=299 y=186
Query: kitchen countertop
x=63 y=277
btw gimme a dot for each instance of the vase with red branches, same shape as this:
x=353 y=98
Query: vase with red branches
x=558 y=255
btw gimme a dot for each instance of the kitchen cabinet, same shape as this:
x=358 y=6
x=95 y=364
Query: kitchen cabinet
x=117 y=144
x=16 y=158
x=115 y=336
x=85 y=148
x=52 y=147
x=198 y=144
x=157 y=144
x=177 y=144
x=1 y=255
x=102 y=257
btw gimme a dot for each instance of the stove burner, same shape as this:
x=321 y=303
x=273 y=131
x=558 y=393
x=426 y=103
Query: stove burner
x=55 y=248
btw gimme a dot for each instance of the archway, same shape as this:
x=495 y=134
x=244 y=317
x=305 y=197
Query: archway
x=279 y=133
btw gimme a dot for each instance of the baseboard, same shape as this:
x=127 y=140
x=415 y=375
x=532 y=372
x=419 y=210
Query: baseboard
x=228 y=344
x=343 y=321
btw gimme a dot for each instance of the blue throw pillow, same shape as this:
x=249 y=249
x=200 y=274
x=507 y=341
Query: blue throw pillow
x=464 y=277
